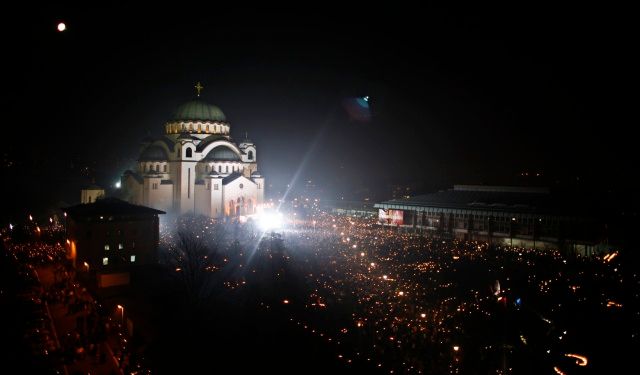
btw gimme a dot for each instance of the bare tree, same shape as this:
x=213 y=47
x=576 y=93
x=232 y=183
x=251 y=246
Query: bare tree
x=194 y=264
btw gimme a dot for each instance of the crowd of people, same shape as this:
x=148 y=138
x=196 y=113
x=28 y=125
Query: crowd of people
x=87 y=333
x=381 y=299
x=410 y=303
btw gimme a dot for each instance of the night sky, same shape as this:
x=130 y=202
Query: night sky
x=468 y=95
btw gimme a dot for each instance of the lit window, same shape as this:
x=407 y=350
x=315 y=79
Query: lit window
x=106 y=247
x=120 y=246
x=133 y=258
x=105 y=261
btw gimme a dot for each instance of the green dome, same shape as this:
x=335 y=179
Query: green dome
x=198 y=110
x=222 y=153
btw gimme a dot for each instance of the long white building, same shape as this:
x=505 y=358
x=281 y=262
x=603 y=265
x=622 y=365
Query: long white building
x=195 y=167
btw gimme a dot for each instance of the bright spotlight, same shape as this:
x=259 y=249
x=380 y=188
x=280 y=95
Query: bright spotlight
x=270 y=221
x=118 y=185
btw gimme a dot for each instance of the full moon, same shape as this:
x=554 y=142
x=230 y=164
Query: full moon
x=62 y=27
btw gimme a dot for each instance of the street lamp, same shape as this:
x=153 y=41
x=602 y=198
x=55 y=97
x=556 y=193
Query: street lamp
x=121 y=308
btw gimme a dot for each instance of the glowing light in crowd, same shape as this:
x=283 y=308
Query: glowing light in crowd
x=523 y=339
x=456 y=348
x=270 y=221
x=609 y=257
x=118 y=185
x=580 y=359
x=286 y=301
x=62 y=27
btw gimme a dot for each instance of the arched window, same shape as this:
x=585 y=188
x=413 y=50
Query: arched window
x=250 y=155
x=157 y=167
x=219 y=169
x=226 y=169
x=207 y=128
x=164 y=168
x=189 y=153
x=207 y=169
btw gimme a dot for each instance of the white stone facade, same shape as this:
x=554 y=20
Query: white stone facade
x=196 y=168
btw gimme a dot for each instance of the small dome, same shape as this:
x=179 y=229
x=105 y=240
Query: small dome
x=198 y=110
x=153 y=153
x=222 y=153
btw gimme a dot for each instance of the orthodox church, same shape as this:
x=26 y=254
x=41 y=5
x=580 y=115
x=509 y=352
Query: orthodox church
x=195 y=167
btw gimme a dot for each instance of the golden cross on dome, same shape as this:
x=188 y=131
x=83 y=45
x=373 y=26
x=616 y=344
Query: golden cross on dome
x=199 y=88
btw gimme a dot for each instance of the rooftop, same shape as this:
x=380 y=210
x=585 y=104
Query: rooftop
x=109 y=206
